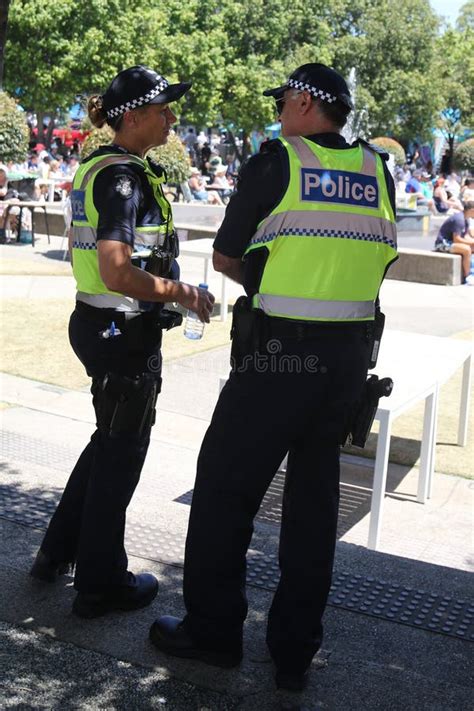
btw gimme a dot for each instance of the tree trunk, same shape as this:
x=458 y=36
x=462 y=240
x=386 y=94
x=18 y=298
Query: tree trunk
x=49 y=133
x=234 y=145
x=4 y=7
x=451 y=138
x=39 y=125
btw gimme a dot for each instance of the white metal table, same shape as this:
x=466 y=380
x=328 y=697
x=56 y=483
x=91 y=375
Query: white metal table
x=418 y=366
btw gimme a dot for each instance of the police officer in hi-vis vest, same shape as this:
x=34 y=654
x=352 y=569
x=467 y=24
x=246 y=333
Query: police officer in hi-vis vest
x=310 y=234
x=123 y=248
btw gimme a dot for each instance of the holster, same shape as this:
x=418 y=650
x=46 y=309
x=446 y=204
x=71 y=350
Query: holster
x=168 y=319
x=246 y=331
x=364 y=411
x=376 y=331
x=126 y=406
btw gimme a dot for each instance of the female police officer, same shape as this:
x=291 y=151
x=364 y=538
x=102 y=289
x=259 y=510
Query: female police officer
x=115 y=330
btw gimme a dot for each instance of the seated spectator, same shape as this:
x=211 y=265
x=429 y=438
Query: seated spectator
x=33 y=163
x=9 y=197
x=415 y=187
x=197 y=185
x=221 y=183
x=467 y=190
x=444 y=201
x=457 y=237
x=232 y=165
x=400 y=182
x=406 y=173
x=72 y=166
x=453 y=185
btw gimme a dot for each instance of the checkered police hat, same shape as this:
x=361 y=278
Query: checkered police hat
x=321 y=81
x=138 y=86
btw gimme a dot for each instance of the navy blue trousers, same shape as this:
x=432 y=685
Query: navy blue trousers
x=88 y=526
x=261 y=415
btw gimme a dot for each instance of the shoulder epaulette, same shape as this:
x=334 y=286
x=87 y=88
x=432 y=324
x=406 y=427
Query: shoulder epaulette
x=269 y=146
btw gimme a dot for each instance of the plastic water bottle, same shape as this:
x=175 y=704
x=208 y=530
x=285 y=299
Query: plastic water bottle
x=193 y=326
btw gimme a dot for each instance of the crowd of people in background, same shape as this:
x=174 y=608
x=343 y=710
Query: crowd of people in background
x=441 y=194
x=214 y=166
x=50 y=172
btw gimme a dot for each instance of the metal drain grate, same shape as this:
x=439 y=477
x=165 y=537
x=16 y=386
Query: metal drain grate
x=23 y=448
x=363 y=595
x=354 y=504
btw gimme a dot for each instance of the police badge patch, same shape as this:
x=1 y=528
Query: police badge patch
x=124 y=186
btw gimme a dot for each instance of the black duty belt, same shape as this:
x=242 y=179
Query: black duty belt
x=102 y=316
x=274 y=327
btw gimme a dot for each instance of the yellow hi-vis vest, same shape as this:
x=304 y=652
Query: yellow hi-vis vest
x=331 y=237
x=90 y=287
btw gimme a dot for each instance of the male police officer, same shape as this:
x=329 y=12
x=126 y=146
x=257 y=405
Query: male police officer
x=310 y=234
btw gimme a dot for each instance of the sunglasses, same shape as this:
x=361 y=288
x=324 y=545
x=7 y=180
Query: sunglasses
x=280 y=103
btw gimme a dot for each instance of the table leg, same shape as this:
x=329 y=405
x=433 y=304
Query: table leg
x=224 y=304
x=464 y=407
x=46 y=223
x=433 y=449
x=20 y=220
x=33 y=226
x=428 y=447
x=380 y=480
x=206 y=271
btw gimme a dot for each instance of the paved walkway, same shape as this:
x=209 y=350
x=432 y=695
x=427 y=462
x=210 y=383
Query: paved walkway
x=397 y=624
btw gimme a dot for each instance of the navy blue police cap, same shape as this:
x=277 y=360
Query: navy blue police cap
x=321 y=81
x=138 y=86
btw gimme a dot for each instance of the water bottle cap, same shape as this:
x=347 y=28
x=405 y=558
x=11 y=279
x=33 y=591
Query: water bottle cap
x=203 y=286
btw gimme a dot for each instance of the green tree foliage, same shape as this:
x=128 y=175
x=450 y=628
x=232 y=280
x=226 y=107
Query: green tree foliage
x=454 y=70
x=172 y=156
x=14 y=132
x=391 y=46
x=391 y=146
x=464 y=155
x=233 y=49
x=54 y=52
x=465 y=19
x=96 y=138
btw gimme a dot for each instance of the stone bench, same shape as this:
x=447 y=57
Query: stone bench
x=427 y=267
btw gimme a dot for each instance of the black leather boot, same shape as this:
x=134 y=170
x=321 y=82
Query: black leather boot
x=140 y=591
x=169 y=635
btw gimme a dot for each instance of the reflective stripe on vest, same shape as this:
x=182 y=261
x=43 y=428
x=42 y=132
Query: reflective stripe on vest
x=90 y=286
x=330 y=238
x=314 y=309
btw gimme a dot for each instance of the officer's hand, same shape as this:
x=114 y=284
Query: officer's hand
x=201 y=301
